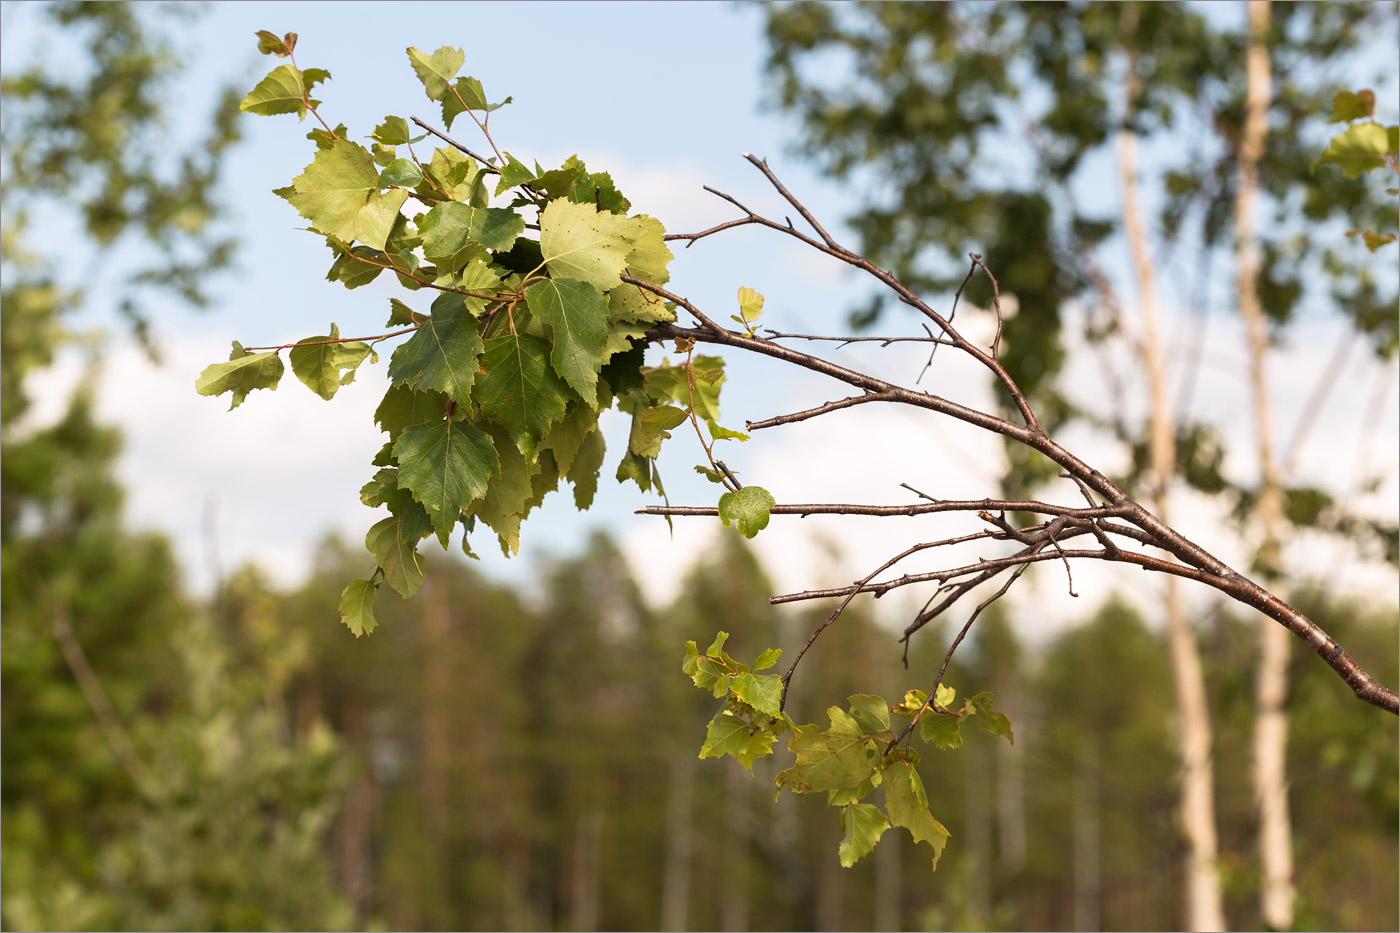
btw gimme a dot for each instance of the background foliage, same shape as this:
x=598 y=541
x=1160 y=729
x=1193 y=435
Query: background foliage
x=497 y=759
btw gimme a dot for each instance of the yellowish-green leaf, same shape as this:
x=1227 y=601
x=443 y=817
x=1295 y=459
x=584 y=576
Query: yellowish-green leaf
x=862 y=824
x=357 y=607
x=339 y=193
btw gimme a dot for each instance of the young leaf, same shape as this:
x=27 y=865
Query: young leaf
x=437 y=69
x=357 y=607
x=750 y=305
x=729 y=734
x=514 y=173
x=466 y=94
x=911 y=704
x=767 y=659
x=394 y=132
x=763 y=691
x=579 y=316
x=504 y=505
x=339 y=193
x=862 y=824
x=1352 y=105
x=269 y=44
x=719 y=433
x=403 y=568
x=284 y=90
x=243 y=373
x=442 y=354
x=746 y=510
x=907 y=804
x=447 y=465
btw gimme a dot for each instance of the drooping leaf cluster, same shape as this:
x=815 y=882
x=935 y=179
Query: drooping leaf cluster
x=859 y=751
x=495 y=395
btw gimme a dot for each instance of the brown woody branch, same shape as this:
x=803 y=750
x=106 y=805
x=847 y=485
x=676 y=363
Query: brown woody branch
x=1040 y=542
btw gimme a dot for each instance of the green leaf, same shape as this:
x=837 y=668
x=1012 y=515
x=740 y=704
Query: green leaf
x=703 y=672
x=401 y=315
x=670 y=382
x=719 y=433
x=505 y=502
x=339 y=193
x=583 y=472
x=243 y=373
x=436 y=70
x=403 y=406
x=907 y=803
x=414 y=522
x=400 y=173
x=649 y=429
x=1352 y=105
x=580 y=242
x=514 y=173
x=837 y=758
x=455 y=232
x=942 y=730
x=402 y=566
x=750 y=305
x=394 y=131
x=729 y=734
x=357 y=607
x=284 y=90
x=862 y=825
x=849 y=795
x=763 y=691
x=442 y=353
x=767 y=659
x=579 y=315
x=746 y=510
x=1360 y=149
x=469 y=96
x=519 y=390
x=319 y=365
x=870 y=712
x=992 y=722
x=447 y=465
x=455 y=173
x=713 y=476
x=567 y=437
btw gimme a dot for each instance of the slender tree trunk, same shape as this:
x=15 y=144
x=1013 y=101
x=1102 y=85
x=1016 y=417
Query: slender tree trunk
x=1204 y=907
x=1271 y=678
x=738 y=818
x=675 y=893
x=978 y=811
x=437 y=706
x=1087 y=875
x=888 y=915
x=588 y=839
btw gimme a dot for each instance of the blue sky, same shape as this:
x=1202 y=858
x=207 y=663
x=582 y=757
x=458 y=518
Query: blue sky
x=663 y=96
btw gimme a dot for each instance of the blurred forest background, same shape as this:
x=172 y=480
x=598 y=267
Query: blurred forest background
x=496 y=759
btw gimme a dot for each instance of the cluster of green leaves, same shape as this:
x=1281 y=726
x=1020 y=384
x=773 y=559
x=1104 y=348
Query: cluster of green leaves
x=1363 y=147
x=495 y=396
x=858 y=752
